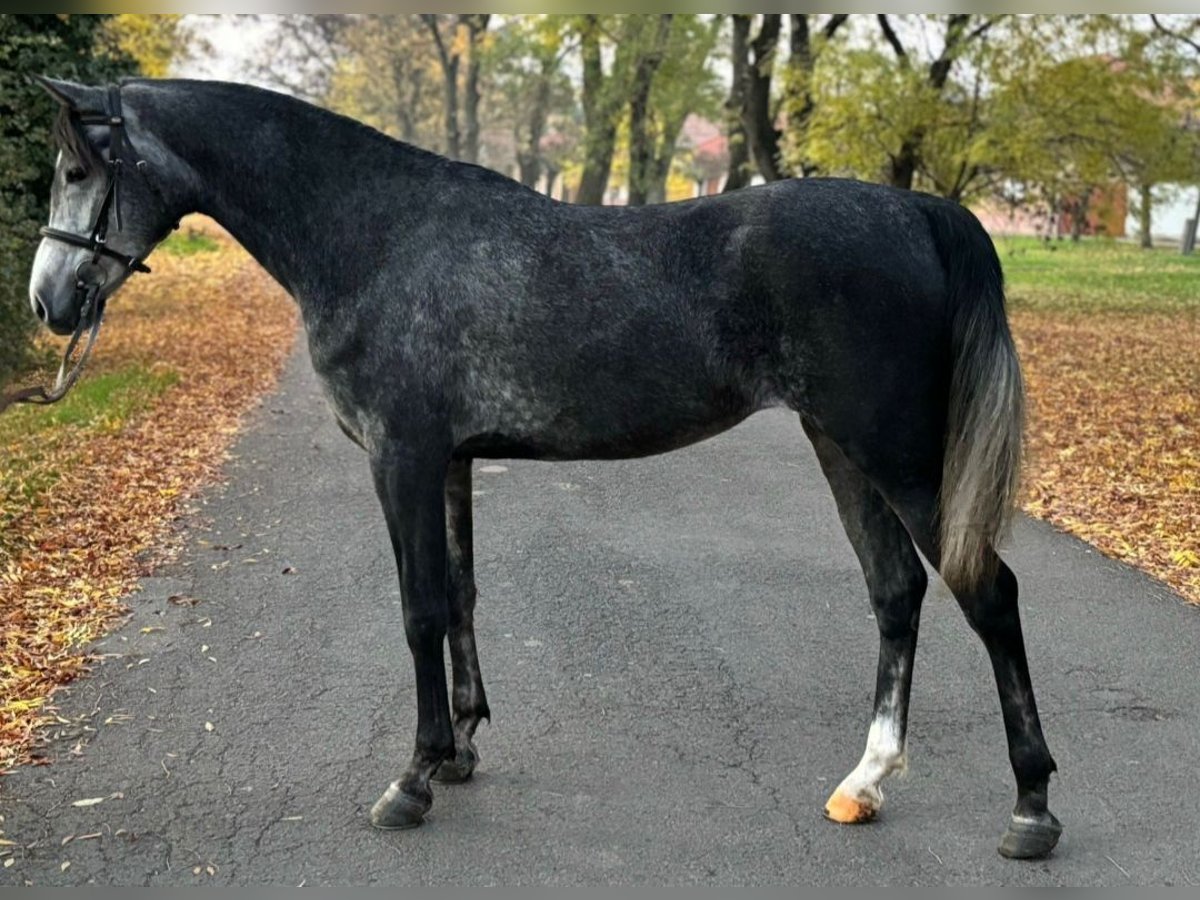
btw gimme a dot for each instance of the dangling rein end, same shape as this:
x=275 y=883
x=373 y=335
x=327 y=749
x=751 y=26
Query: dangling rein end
x=66 y=378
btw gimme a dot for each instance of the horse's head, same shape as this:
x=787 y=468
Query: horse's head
x=106 y=212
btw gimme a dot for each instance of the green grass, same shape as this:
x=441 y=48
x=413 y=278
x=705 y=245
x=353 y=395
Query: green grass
x=38 y=442
x=1098 y=274
x=189 y=243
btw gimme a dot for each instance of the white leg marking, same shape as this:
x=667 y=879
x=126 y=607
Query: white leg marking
x=885 y=754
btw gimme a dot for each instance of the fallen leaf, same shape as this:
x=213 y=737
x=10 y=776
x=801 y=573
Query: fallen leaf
x=182 y=600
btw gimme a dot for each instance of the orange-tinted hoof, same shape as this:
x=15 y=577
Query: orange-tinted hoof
x=845 y=810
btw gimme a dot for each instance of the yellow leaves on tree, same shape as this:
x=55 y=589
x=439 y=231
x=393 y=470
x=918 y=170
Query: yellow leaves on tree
x=153 y=41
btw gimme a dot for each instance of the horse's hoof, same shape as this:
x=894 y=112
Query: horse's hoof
x=1030 y=838
x=459 y=769
x=845 y=810
x=396 y=810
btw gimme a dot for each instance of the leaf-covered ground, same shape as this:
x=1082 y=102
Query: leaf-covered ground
x=1109 y=336
x=89 y=487
x=1114 y=436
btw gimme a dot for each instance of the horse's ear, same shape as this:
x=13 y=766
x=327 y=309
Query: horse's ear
x=68 y=93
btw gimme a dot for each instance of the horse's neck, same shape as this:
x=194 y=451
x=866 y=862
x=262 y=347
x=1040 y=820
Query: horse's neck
x=282 y=179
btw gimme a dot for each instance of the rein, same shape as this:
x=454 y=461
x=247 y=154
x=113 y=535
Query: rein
x=90 y=276
x=66 y=379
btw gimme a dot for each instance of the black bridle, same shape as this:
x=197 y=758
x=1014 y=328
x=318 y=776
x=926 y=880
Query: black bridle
x=90 y=275
x=110 y=206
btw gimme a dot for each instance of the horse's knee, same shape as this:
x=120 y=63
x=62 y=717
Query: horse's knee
x=425 y=626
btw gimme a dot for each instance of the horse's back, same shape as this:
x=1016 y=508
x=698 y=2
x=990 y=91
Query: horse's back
x=564 y=331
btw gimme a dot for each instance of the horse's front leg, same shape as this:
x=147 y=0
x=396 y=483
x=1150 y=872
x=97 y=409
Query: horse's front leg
x=411 y=489
x=467 y=696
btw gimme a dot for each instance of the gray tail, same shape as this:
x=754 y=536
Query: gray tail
x=981 y=467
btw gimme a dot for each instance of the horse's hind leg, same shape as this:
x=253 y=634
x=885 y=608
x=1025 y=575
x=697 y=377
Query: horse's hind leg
x=896 y=582
x=991 y=610
x=468 y=699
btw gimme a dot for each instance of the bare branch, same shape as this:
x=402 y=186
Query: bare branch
x=1174 y=34
x=834 y=23
x=981 y=30
x=890 y=34
x=431 y=20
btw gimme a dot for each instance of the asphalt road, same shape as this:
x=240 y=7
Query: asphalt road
x=679 y=656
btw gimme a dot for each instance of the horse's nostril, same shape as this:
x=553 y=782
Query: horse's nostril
x=40 y=307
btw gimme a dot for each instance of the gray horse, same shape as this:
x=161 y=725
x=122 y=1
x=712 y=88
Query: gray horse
x=454 y=314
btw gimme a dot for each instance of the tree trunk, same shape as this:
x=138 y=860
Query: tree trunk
x=408 y=92
x=449 y=60
x=529 y=152
x=551 y=174
x=759 y=120
x=599 y=121
x=660 y=169
x=802 y=60
x=1144 y=216
x=641 y=142
x=1079 y=214
x=735 y=107
x=476 y=24
x=1189 y=241
x=903 y=166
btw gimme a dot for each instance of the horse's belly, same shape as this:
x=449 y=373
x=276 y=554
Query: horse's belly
x=641 y=428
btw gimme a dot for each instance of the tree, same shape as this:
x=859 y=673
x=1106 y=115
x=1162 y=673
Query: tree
x=735 y=104
x=959 y=31
x=602 y=98
x=1153 y=145
x=1081 y=124
x=914 y=106
x=387 y=75
x=758 y=111
x=66 y=46
x=305 y=53
x=526 y=73
x=1052 y=135
x=682 y=83
x=456 y=38
x=799 y=97
x=154 y=42
x=647 y=62
x=753 y=103
x=1184 y=32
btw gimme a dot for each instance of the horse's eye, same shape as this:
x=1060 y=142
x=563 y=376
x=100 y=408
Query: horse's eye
x=75 y=173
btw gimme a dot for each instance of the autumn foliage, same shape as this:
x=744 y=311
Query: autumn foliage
x=86 y=504
x=1113 y=446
